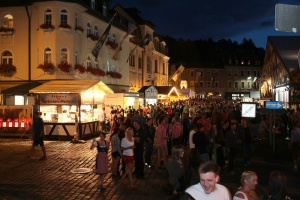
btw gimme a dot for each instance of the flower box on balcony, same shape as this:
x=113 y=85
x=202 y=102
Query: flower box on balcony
x=93 y=37
x=114 y=74
x=65 y=27
x=7 y=70
x=47 y=67
x=6 y=31
x=47 y=27
x=79 y=29
x=65 y=67
x=95 y=71
x=80 y=68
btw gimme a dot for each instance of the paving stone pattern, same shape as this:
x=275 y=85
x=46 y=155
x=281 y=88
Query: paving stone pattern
x=23 y=178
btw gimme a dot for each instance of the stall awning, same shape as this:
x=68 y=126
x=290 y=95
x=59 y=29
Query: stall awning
x=21 y=89
x=72 y=86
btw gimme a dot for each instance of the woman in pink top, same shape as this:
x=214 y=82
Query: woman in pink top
x=162 y=139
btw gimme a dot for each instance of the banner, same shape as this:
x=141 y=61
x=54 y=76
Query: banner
x=131 y=29
x=141 y=43
x=102 y=39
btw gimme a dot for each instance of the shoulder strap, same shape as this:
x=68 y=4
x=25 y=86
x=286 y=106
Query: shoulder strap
x=240 y=192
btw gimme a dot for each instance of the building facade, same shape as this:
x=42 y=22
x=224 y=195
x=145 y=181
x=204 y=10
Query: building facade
x=64 y=33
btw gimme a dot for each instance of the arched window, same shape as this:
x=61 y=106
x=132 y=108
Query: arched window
x=7 y=57
x=64 y=55
x=104 y=9
x=96 y=63
x=63 y=17
x=93 y=4
x=96 y=31
x=48 y=16
x=88 y=62
x=76 y=20
x=8 y=21
x=47 y=55
x=88 y=29
x=76 y=58
x=113 y=39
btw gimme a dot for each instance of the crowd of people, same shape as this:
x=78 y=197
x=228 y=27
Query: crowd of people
x=194 y=140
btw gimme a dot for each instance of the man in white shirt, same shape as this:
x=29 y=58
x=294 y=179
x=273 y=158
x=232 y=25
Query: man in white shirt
x=191 y=143
x=208 y=188
x=102 y=117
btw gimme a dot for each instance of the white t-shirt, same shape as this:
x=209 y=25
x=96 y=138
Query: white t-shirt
x=125 y=143
x=192 y=145
x=220 y=193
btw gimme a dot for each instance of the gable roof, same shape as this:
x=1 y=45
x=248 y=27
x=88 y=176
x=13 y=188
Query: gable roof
x=287 y=48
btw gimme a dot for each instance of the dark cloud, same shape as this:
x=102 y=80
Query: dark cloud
x=202 y=19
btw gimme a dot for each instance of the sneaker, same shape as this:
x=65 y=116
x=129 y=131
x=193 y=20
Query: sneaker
x=232 y=172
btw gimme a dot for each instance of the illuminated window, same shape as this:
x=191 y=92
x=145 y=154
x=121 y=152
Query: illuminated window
x=47 y=55
x=63 y=17
x=104 y=9
x=48 y=16
x=7 y=57
x=249 y=62
x=8 y=21
x=88 y=29
x=242 y=62
x=64 y=55
x=96 y=33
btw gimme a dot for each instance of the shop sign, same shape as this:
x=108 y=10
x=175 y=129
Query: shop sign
x=59 y=98
x=98 y=98
x=86 y=99
x=151 y=92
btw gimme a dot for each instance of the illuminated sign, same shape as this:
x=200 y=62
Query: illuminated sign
x=60 y=98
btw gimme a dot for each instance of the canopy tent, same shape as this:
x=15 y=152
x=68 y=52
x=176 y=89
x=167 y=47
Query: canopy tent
x=72 y=86
x=21 y=89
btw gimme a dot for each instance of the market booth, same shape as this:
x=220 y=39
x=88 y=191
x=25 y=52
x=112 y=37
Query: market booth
x=159 y=94
x=71 y=106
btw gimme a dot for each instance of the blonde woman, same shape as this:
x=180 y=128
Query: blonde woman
x=127 y=146
x=247 y=191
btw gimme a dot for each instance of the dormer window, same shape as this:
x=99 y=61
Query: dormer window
x=93 y=4
x=104 y=9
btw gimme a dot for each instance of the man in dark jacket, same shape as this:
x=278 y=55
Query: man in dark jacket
x=201 y=142
x=149 y=140
x=139 y=139
x=231 y=141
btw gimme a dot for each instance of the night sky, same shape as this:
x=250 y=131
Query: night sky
x=216 y=19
